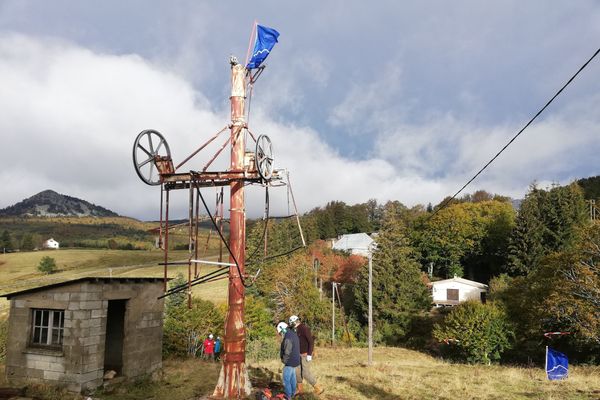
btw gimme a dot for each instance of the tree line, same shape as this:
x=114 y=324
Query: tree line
x=541 y=263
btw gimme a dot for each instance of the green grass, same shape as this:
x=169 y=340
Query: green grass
x=18 y=271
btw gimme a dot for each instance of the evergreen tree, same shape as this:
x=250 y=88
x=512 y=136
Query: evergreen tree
x=5 y=241
x=47 y=265
x=27 y=243
x=374 y=212
x=526 y=246
x=548 y=221
x=398 y=289
x=177 y=299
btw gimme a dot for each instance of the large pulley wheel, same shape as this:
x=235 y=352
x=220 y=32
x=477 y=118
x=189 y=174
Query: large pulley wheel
x=264 y=157
x=149 y=146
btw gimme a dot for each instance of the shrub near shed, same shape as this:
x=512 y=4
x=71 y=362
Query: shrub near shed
x=475 y=332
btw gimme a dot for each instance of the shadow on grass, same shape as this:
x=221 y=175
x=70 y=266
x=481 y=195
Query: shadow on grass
x=367 y=390
x=263 y=378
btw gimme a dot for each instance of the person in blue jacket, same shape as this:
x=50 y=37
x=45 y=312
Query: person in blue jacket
x=218 y=348
x=290 y=357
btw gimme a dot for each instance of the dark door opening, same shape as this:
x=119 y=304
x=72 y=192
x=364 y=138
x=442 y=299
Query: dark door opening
x=113 y=347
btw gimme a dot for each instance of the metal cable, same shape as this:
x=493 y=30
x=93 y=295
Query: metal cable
x=447 y=201
x=266 y=219
x=192 y=174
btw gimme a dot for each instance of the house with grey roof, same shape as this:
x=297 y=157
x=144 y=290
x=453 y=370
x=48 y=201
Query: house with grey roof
x=354 y=243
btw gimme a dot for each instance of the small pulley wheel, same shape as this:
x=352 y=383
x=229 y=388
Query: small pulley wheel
x=148 y=146
x=264 y=157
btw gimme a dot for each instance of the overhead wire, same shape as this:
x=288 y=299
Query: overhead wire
x=266 y=219
x=446 y=202
x=193 y=174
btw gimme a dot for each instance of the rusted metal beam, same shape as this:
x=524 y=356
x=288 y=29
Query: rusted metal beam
x=233 y=380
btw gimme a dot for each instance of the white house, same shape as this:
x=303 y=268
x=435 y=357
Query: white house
x=450 y=292
x=355 y=243
x=51 y=244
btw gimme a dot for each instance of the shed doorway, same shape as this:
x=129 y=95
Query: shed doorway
x=113 y=347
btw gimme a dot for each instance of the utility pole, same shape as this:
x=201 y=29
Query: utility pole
x=332 y=313
x=316 y=265
x=234 y=381
x=370 y=305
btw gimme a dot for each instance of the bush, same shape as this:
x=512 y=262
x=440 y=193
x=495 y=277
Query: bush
x=47 y=265
x=475 y=332
x=3 y=338
x=185 y=329
x=259 y=319
x=262 y=349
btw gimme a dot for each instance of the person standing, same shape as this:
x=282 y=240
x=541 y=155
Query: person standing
x=290 y=357
x=209 y=348
x=307 y=343
x=218 y=348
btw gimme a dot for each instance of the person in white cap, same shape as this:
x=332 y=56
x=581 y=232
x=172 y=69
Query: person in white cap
x=290 y=357
x=307 y=343
x=209 y=348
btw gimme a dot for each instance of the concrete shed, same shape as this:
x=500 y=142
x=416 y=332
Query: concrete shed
x=70 y=333
x=451 y=292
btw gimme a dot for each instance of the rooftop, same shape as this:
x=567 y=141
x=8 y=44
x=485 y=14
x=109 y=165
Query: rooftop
x=80 y=280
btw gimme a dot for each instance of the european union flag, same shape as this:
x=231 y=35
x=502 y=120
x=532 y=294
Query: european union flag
x=557 y=365
x=265 y=40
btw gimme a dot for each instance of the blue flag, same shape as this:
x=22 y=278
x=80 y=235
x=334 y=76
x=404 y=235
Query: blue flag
x=265 y=40
x=557 y=365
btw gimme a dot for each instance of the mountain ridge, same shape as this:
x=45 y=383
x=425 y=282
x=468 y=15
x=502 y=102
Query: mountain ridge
x=49 y=203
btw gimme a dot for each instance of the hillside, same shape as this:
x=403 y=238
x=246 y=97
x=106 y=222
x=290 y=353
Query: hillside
x=18 y=271
x=51 y=204
x=591 y=187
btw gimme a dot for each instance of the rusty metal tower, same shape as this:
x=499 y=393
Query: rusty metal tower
x=153 y=164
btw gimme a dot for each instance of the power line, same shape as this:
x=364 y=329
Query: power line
x=447 y=201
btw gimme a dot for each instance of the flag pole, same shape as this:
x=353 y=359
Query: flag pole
x=252 y=35
x=546 y=363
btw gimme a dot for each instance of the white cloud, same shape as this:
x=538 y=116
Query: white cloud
x=70 y=116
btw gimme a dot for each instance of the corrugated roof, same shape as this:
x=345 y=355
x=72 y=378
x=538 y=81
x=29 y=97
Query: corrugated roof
x=353 y=241
x=463 y=281
x=79 y=280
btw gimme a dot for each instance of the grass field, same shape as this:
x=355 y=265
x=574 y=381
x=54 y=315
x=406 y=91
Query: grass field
x=396 y=374
x=18 y=271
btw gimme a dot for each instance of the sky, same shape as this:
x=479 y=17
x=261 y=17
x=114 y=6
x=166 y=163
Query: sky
x=387 y=100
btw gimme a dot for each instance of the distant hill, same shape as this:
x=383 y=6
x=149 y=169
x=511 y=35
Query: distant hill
x=591 y=187
x=51 y=204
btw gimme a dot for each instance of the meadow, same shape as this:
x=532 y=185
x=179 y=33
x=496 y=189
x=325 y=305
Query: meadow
x=395 y=374
x=18 y=271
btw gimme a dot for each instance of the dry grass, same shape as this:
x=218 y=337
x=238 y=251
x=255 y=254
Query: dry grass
x=404 y=374
x=18 y=271
x=396 y=374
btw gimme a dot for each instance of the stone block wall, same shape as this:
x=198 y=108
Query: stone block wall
x=79 y=364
